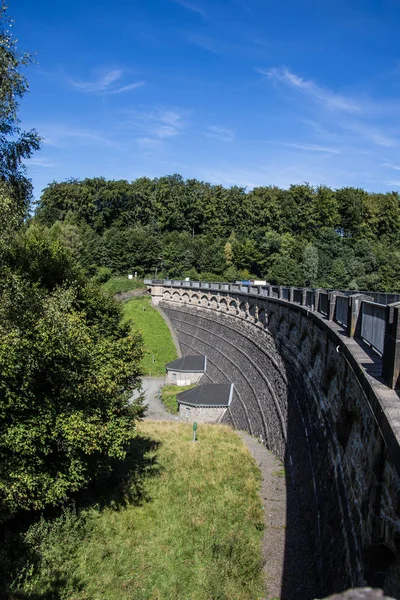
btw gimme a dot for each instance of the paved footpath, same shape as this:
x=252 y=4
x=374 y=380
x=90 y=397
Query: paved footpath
x=155 y=409
x=288 y=568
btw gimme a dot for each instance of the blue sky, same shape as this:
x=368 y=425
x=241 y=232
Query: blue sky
x=246 y=92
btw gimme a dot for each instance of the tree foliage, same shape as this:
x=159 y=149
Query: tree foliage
x=15 y=145
x=301 y=236
x=68 y=366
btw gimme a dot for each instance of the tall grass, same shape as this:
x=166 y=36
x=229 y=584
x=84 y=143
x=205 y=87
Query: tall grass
x=193 y=533
x=159 y=346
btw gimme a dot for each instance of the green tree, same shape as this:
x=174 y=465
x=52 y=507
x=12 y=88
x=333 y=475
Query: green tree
x=15 y=144
x=310 y=265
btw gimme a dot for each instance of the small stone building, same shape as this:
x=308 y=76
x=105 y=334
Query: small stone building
x=186 y=370
x=205 y=403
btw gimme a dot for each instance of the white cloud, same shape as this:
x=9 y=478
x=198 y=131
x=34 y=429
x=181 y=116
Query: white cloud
x=372 y=134
x=220 y=133
x=191 y=6
x=57 y=135
x=314 y=148
x=391 y=166
x=161 y=123
x=105 y=83
x=126 y=88
x=329 y=99
x=38 y=162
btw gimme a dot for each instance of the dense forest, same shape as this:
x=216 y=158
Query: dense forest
x=304 y=235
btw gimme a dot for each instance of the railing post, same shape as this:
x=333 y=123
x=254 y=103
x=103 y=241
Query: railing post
x=391 y=350
x=280 y=292
x=331 y=305
x=291 y=294
x=353 y=315
x=316 y=298
x=304 y=296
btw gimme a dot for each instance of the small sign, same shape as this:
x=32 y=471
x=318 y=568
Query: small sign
x=194 y=430
x=130 y=276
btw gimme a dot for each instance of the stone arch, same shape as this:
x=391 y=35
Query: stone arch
x=185 y=297
x=213 y=302
x=223 y=305
x=194 y=298
x=176 y=297
x=314 y=353
x=252 y=311
x=233 y=307
x=262 y=317
x=204 y=300
x=242 y=310
x=327 y=378
x=344 y=426
x=379 y=559
x=281 y=321
x=166 y=295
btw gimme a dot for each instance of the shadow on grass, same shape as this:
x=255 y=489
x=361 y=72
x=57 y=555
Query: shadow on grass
x=122 y=483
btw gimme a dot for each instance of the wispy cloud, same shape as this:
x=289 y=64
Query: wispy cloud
x=39 y=162
x=329 y=99
x=391 y=166
x=206 y=43
x=220 y=133
x=314 y=148
x=58 y=135
x=106 y=83
x=372 y=134
x=191 y=6
x=160 y=123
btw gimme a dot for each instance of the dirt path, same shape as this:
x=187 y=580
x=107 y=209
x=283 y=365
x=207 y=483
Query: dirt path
x=289 y=572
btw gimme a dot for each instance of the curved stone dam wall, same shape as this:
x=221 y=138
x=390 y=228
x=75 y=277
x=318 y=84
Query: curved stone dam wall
x=303 y=393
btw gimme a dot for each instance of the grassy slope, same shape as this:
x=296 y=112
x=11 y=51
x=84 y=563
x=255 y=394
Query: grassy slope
x=196 y=536
x=157 y=337
x=122 y=284
x=168 y=396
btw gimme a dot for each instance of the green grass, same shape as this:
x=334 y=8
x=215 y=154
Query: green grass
x=115 y=285
x=168 y=396
x=192 y=531
x=159 y=346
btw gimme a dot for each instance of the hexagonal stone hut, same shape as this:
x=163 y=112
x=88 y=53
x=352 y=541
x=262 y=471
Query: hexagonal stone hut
x=205 y=403
x=186 y=370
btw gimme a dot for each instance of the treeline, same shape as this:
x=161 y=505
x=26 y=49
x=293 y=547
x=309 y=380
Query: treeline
x=304 y=235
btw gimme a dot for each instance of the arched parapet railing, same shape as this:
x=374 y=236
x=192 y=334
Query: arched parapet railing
x=315 y=372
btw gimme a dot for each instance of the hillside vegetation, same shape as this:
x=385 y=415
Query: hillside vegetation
x=187 y=523
x=304 y=235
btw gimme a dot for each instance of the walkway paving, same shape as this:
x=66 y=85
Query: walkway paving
x=155 y=409
x=288 y=567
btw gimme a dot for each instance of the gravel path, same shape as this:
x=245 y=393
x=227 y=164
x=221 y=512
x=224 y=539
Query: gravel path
x=155 y=409
x=289 y=572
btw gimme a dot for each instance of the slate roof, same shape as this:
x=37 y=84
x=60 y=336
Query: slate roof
x=188 y=364
x=209 y=394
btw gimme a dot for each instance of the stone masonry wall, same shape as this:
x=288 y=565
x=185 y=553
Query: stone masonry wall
x=179 y=378
x=200 y=414
x=301 y=394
